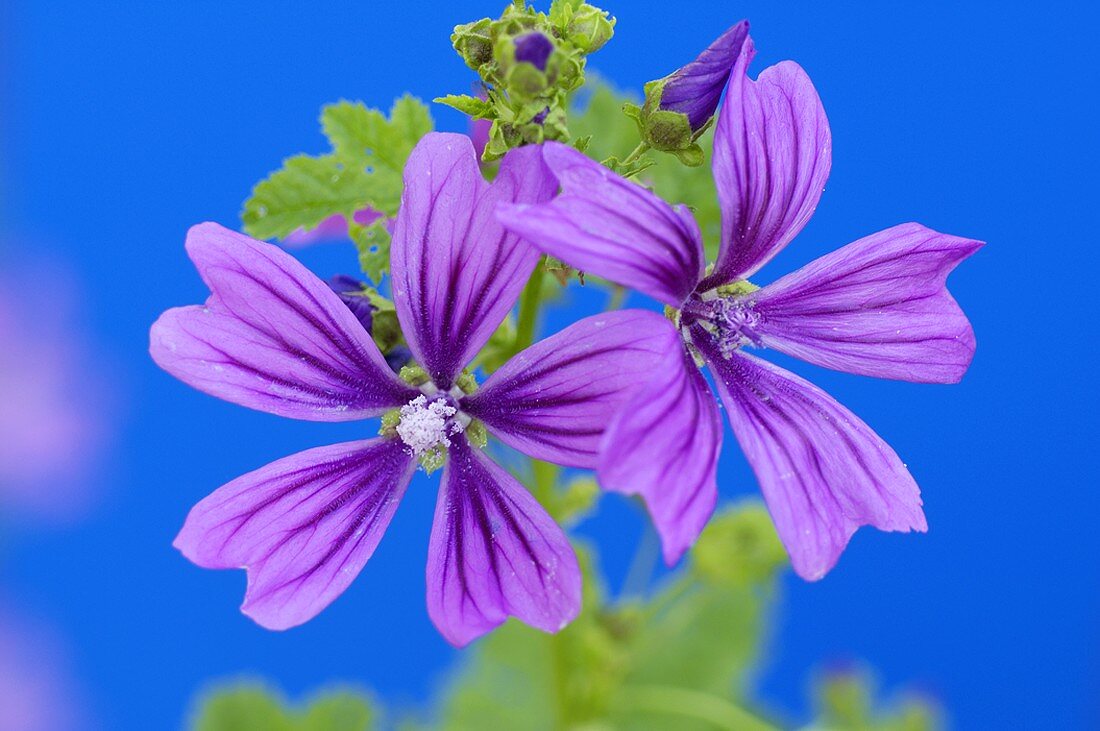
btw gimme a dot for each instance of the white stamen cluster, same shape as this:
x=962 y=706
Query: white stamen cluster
x=425 y=425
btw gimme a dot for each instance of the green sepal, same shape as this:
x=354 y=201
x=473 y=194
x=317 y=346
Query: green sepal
x=476 y=434
x=737 y=289
x=691 y=156
x=667 y=131
x=466 y=382
x=474 y=42
x=589 y=28
x=414 y=375
x=526 y=83
x=433 y=459
x=390 y=420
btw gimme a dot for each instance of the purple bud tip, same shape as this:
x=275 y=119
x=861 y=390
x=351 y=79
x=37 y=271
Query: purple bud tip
x=696 y=88
x=349 y=289
x=541 y=116
x=534 y=48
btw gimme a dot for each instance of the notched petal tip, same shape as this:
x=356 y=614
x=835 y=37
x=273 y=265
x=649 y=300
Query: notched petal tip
x=877 y=307
x=823 y=472
x=495 y=553
x=302 y=527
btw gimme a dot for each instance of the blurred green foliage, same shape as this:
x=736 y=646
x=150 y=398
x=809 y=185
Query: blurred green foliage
x=251 y=706
x=682 y=657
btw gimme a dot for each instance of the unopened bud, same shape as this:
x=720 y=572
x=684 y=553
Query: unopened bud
x=474 y=42
x=695 y=89
x=590 y=28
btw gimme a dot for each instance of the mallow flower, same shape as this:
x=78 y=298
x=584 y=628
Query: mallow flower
x=876 y=307
x=273 y=337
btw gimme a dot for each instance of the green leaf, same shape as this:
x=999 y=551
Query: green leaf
x=471 y=105
x=846 y=702
x=306 y=191
x=373 y=245
x=254 y=707
x=247 y=707
x=338 y=711
x=363 y=171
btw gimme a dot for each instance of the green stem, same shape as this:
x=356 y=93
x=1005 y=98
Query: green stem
x=638 y=151
x=712 y=709
x=618 y=296
x=529 y=302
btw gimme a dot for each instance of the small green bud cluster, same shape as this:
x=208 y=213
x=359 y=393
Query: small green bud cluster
x=528 y=63
x=664 y=129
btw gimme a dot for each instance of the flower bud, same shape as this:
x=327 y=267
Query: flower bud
x=590 y=28
x=533 y=48
x=474 y=42
x=353 y=294
x=695 y=89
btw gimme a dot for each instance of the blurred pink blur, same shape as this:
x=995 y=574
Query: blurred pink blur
x=55 y=407
x=36 y=691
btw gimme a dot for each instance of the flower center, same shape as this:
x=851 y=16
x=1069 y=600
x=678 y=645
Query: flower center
x=730 y=319
x=425 y=425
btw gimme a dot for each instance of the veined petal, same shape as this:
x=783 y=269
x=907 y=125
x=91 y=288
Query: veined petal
x=696 y=88
x=456 y=271
x=607 y=225
x=664 y=445
x=495 y=553
x=303 y=526
x=772 y=154
x=272 y=336
x=554 y=400
x=823 y=472
x=877 y=307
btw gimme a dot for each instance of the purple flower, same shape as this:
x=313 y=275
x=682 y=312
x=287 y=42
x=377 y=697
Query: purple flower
x=696 y=88
x=876 y=307
x=275 y=338
x=534 y=48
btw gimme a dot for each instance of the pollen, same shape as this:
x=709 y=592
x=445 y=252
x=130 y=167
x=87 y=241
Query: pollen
x=425 y=425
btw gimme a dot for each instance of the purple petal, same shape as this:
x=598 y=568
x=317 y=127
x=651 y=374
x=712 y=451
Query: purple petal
x=495 y=553
x=772 y=154
x=664 y=446
x=303 y=527
x=554 y=400
x=456 y=271
x=696 y=88
x=823 y=472
x=333 y=228
x=272 y=336
x=604 y=224
x=877 y=307
x=534 y=48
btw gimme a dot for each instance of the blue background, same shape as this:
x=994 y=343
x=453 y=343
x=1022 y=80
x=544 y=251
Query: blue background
x=125 y=123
